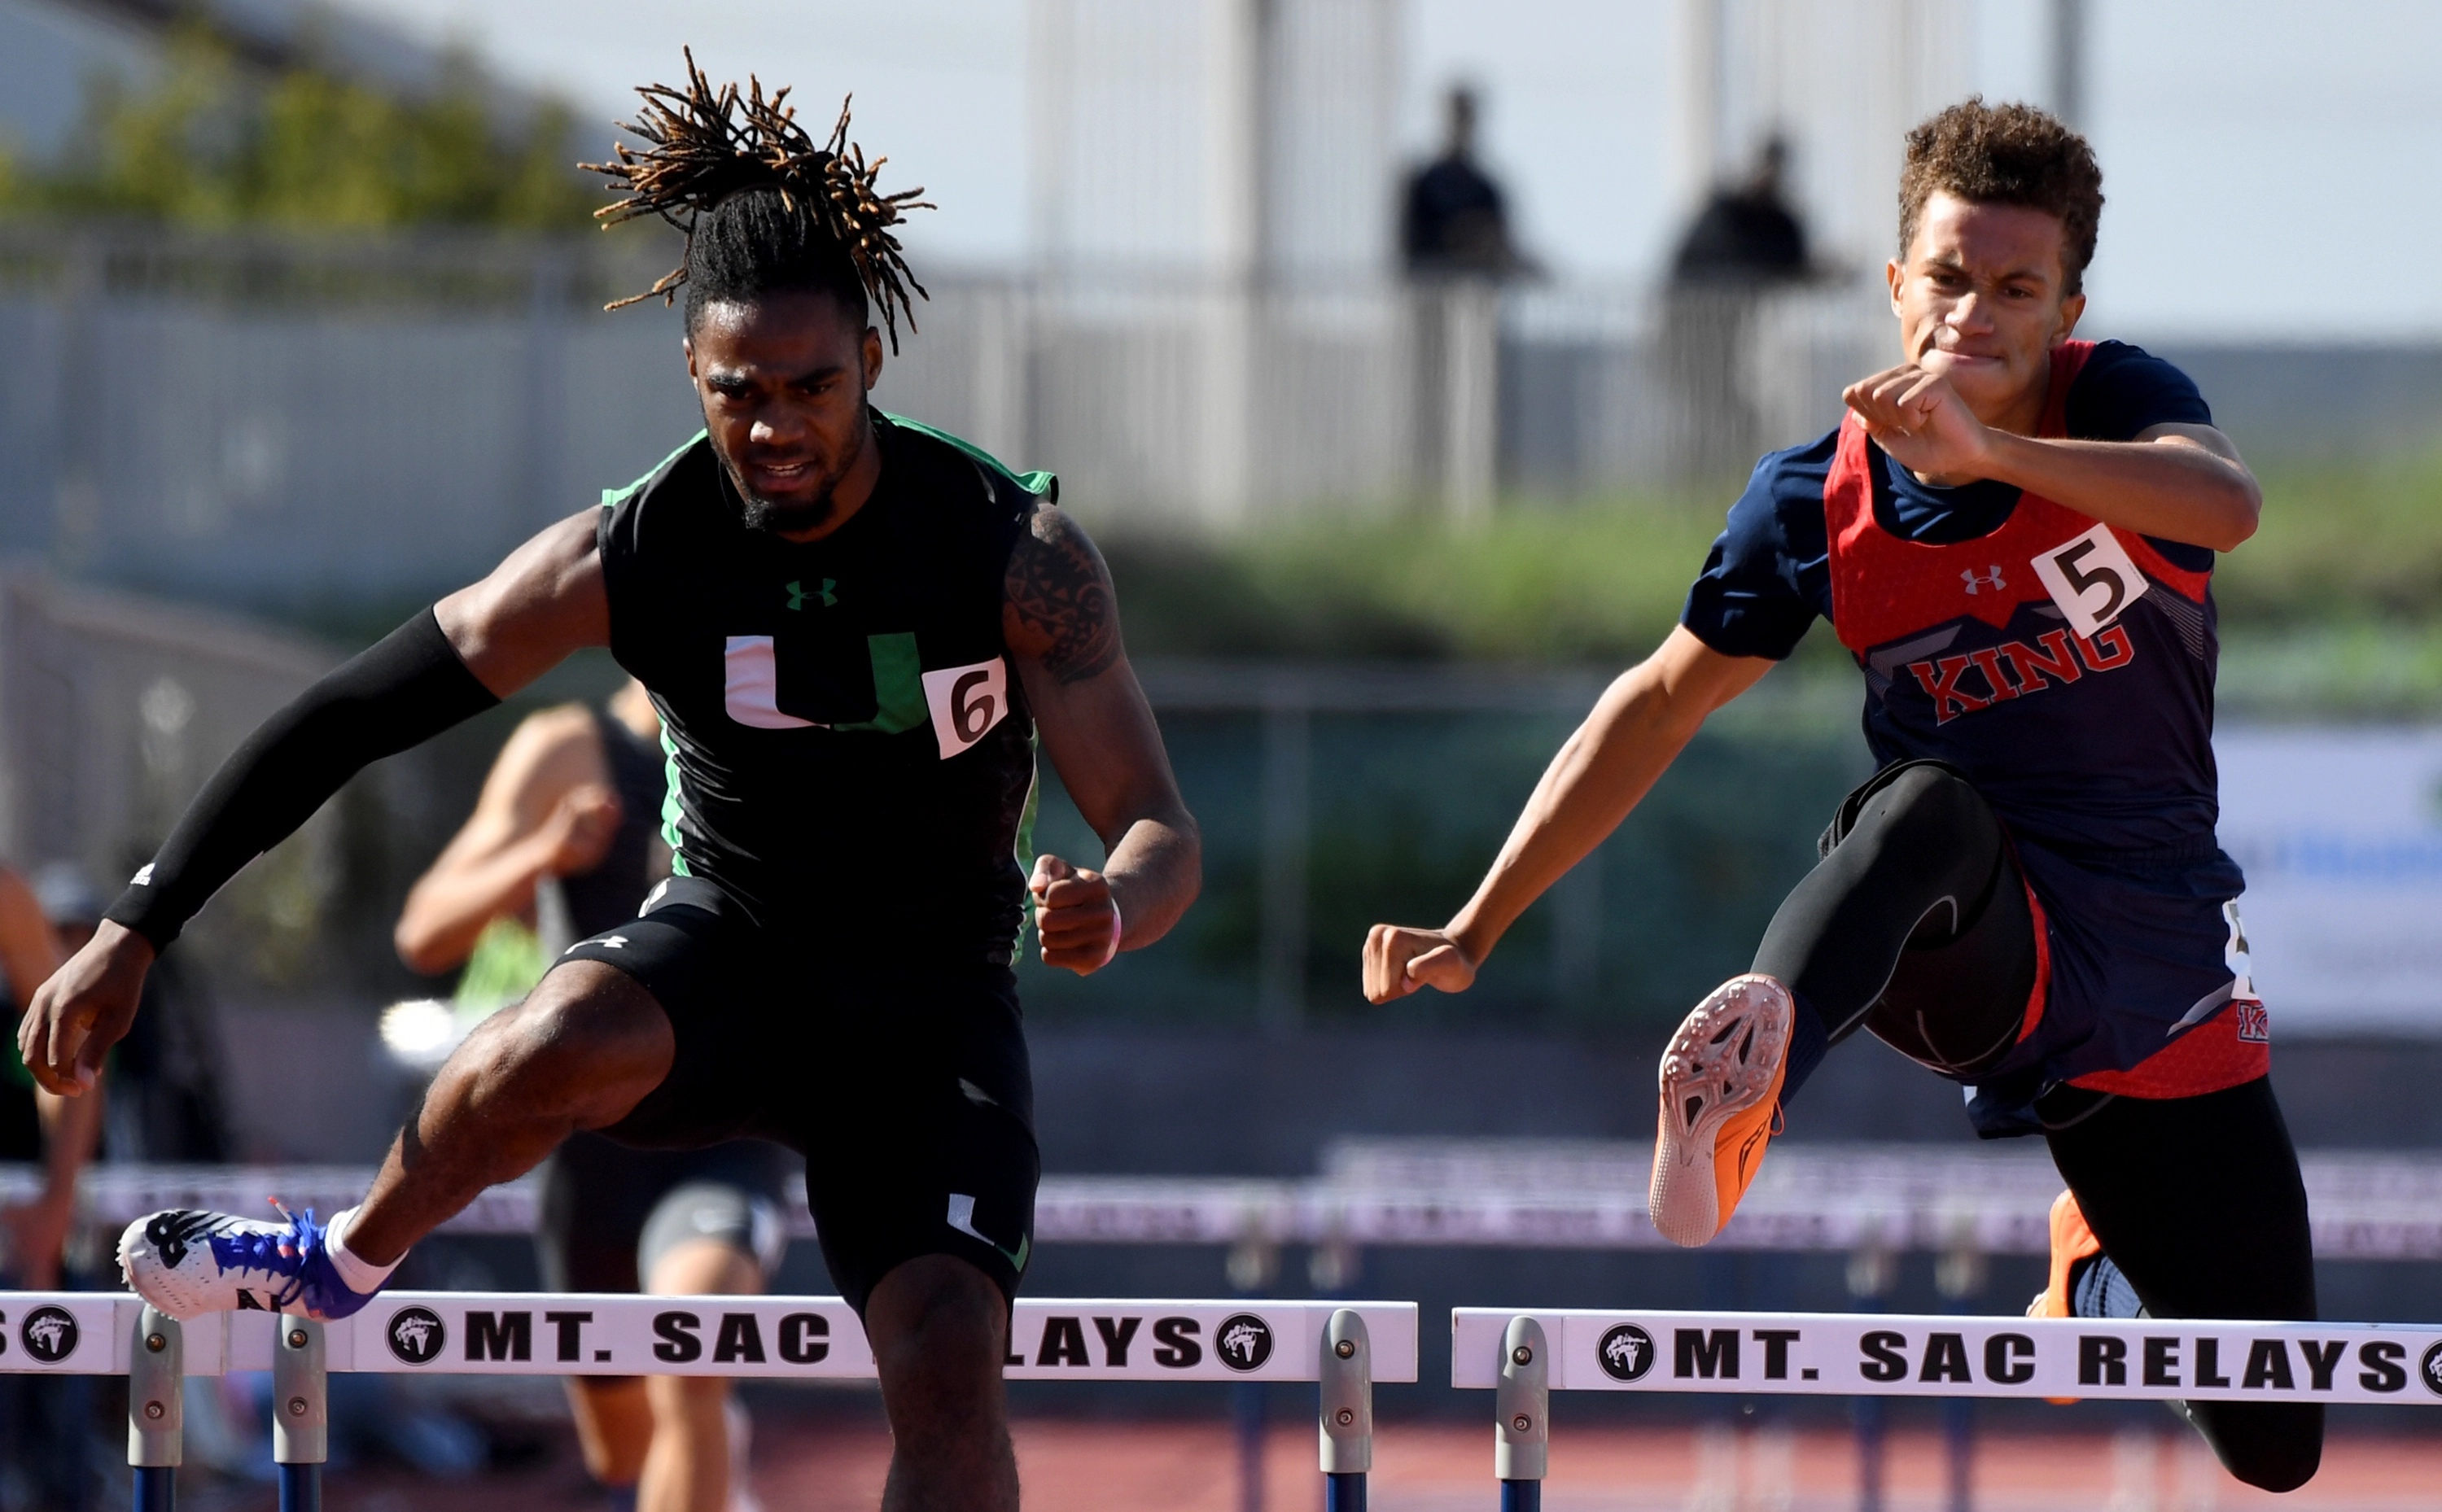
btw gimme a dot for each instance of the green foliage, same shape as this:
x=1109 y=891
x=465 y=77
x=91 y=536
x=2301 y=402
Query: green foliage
x=210 y=144
x=2339 y=545
x=2334 y=607
x=1600 y=583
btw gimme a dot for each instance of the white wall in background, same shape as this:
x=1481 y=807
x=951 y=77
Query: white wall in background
x=2341 y=833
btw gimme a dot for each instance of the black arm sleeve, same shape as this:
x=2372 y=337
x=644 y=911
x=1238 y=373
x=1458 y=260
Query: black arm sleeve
x=402 y=692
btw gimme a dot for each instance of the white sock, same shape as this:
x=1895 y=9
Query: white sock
x=363 y=1277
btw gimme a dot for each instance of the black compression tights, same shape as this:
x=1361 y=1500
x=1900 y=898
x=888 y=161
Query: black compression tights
x=1916 y=926
x=2197 y=1201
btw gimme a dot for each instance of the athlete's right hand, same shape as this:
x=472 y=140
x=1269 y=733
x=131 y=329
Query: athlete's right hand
x=1399 y=960
x=84 y=1009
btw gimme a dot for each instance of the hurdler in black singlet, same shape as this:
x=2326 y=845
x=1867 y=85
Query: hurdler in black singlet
x=848 y=746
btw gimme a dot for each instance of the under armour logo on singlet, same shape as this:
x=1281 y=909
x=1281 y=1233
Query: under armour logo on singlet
x=1975 y=579
x=798 y=593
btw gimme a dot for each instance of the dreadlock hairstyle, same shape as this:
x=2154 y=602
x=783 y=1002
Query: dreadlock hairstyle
x=764 y=208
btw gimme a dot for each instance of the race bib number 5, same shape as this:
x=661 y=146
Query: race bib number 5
x=966 y=701
x=2091 y=579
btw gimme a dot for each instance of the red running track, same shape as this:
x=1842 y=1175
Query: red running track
x=830 y=1464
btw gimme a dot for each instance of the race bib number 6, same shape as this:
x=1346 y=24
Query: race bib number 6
x=2091 y=579
x=966 y=701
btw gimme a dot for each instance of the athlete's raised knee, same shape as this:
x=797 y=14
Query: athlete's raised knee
x=1933 y=795
x=586 y=1044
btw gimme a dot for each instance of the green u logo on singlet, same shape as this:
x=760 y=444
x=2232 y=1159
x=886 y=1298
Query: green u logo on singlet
x=798 y=593
x=897 y=685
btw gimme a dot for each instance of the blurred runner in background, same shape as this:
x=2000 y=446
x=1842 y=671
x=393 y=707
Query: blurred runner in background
x=44 y=1431
x=561 y=846
x=37 y=1127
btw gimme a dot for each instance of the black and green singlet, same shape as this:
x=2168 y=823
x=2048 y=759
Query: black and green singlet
x=849 y=751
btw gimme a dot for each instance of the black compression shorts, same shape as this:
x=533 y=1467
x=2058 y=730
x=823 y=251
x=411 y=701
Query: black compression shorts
x=904 y=1083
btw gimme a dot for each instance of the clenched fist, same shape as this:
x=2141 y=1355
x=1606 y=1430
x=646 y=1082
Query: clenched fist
x=1398 y=960
x=1075 y=915
x=1914 y=413
x=577 y=832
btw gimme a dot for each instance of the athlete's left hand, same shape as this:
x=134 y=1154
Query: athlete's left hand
x=1914 y=415
x=1075 y=915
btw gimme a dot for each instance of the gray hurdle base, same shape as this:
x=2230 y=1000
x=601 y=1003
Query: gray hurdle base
x=1523 y=1356
x=1343 y=1348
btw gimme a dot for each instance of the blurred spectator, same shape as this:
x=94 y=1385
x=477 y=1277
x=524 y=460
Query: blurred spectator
x=1454 y=243
x=1745 y=243
x=1453 y=221
x=46 y=1437
x=166 y=1100
x=36 y=1126
x=1746 y=234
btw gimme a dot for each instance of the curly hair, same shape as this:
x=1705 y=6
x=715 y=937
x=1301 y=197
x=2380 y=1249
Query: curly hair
x=2006 y=154
x=763 y=207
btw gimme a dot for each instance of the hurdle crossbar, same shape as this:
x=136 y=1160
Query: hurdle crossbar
x=1343 y=1347
x=1905 y=1354
x=774 y=1337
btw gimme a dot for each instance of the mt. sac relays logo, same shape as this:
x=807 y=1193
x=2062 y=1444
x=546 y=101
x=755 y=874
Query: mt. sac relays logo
x=50 y=1334
x=1244 y=1342
x=416 y=1334
x=1627 y=1353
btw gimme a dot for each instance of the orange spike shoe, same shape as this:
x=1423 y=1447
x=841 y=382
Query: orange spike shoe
x=2072 y=1241
x=1721 y=1105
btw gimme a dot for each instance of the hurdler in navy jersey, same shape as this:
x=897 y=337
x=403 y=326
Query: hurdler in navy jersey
x=2012 y=531
x=2092 y=742
x=849 y=697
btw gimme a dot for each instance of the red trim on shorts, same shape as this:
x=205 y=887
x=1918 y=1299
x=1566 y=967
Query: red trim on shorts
x=2206 y=1059
x=2036 y=999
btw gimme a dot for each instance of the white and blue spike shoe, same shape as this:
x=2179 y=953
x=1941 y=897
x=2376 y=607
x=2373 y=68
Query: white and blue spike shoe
x=187 y=1263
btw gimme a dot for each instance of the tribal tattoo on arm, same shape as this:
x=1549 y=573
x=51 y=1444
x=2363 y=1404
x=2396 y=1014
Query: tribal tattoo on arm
x=1057 y=607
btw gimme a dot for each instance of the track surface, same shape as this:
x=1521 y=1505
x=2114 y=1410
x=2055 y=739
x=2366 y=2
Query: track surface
x=831 y=1465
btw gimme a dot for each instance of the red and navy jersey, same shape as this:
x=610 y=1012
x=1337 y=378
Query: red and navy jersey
x=1968 y=648
x=2066 y=668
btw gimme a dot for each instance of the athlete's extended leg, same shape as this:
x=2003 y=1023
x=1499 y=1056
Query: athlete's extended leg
x=2198 y=1202
x=584 y=1047
x=940 y=1329
x=1915 y=923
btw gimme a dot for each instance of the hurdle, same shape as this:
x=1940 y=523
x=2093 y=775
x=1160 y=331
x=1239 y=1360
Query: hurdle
x=1341 y=1347
x=1524 y=1355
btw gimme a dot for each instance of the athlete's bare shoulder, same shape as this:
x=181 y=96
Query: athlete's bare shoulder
x=1057 y=607
x=544 y=600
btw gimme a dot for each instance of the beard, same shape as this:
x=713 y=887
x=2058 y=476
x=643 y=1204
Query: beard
x=760 y=512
